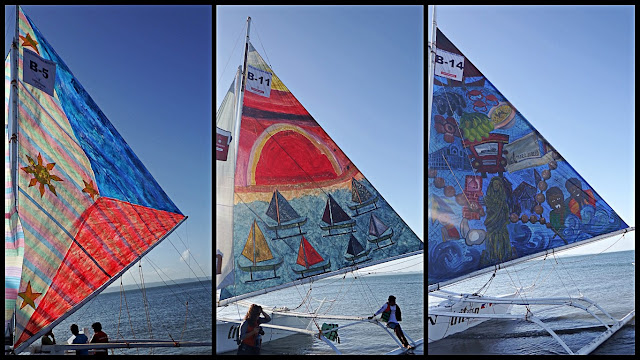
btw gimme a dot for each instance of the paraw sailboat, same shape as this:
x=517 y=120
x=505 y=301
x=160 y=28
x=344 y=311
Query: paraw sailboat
x=80 y=207
x=499 y=194
x=291 y=208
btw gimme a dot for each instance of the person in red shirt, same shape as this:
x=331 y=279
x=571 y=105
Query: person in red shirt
x=99 y=337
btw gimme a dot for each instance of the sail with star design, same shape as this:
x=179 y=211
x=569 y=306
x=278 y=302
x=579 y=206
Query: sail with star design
x=80 y=207
x=287 y=169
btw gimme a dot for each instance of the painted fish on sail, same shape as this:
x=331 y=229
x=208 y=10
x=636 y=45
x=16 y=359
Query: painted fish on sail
x=87 y=206
x=289 y=171
x=497 y=189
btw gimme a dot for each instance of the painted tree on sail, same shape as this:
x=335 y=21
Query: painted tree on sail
x=83 y=208
x=498 y=190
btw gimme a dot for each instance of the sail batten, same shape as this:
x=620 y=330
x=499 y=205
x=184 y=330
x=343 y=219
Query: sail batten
x=498 y=191
x=289 y=171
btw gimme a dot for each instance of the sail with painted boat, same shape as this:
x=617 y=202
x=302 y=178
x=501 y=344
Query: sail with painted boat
x=282 y=166
x=498 y=194
x=80 y=207
x=275 y=130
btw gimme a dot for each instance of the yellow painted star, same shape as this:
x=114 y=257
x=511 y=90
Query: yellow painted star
x=29 y=41
x=90 y=189
x=41 y=174
x=29 y=296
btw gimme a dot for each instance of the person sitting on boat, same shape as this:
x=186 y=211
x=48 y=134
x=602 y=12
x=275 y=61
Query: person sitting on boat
x=250 y=331
x=79 y=339
x=49 y=338
x=99 y=337
x=391 y=314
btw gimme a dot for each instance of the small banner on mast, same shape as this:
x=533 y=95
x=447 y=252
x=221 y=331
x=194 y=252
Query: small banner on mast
x=223 y=139
x=39 y=72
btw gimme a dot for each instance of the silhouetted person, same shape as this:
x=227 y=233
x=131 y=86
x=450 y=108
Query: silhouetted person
x=99 y=337
x=79 y=339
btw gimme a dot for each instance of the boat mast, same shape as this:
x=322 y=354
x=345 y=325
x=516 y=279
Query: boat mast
x=14 y=131
x=432 y=57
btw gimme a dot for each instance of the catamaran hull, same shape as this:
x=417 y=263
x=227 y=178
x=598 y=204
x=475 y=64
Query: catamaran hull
x=440 y=326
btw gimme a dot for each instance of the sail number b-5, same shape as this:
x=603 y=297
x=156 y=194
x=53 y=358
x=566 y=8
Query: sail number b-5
x=39 y=72
x=258 y=81
x=449 y=65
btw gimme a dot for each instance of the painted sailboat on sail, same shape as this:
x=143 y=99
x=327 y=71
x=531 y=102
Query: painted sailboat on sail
x=499 y=194
x=277 y=163
x=80 y=207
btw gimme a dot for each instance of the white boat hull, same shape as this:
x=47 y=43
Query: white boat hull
x=226 y=331
x=440 y=326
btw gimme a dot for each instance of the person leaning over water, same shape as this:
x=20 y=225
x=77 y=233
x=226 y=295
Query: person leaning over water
x=391 y=314
x=79 y=339
x=250 y=331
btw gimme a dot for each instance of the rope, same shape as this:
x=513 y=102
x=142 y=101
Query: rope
x=146 y=304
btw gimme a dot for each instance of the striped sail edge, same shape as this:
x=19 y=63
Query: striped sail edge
x=87 y=206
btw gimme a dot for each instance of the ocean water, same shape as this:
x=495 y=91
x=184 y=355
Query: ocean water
x=167 y=314
x=361 y=296
x=608 y=279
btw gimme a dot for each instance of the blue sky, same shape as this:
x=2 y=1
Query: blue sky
x=149 y=70
x=359 y=71
x=570 y=71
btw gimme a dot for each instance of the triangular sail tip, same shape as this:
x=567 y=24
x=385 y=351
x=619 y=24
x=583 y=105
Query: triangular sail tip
x=504 y=169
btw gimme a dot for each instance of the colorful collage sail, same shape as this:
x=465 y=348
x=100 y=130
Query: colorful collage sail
x=497 y=189
x=308 y=200
x=87 y=208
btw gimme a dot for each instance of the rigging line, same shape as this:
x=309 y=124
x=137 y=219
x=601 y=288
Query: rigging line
x=244 y=26
x=154 y=312
x=144 y=299
x=193 y=272
x=126 y=303
x=187 y=248
x=156 y=268
x=261 y=44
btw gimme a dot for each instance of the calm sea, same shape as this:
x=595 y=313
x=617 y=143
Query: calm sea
x=167 y=314
x=608 y=279
x=355 y=297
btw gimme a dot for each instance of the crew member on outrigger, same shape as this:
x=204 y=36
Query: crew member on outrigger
x=391 y=314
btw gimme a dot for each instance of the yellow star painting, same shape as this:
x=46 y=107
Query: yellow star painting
x=30 y=42
x=41 y=174
x=29 y=296
x=90 y=189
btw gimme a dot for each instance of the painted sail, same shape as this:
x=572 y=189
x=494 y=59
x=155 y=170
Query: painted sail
x=281 y=146
x=498 y=190
x=280 y=210
x=87 y=207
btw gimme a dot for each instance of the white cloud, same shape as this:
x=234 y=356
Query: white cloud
x=185 y=255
